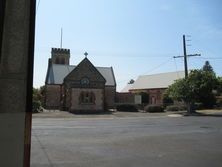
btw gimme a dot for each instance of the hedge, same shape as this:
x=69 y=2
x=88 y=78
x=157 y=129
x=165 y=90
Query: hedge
x=126 y=107
x=154 y=108
x=176 y=108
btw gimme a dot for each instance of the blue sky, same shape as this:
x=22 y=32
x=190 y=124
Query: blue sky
x=135 y=37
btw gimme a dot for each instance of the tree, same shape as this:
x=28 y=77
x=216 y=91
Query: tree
x=180 y=90
x=219 y=86
x=166 y=99
x=208 y=67
x=38 y=97
x=131 y=81
x=42 y=91
x=36 y=100
x=203 y=83
x=197 y=87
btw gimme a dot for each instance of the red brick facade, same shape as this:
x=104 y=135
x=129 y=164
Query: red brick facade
x=125 y=98
x=155 y=95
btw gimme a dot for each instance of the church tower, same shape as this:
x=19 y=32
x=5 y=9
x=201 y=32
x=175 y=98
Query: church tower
x=60 y=56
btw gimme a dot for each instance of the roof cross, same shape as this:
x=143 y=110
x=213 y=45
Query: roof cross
x=86 y=54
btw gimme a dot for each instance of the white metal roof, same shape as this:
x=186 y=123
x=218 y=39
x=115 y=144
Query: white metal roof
x=57 y=73
x=162 y=80
x=126 y=88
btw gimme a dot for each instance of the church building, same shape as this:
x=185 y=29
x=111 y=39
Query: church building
x=78 y=88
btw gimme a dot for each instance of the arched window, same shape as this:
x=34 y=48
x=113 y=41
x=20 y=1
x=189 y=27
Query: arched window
x=87 y=97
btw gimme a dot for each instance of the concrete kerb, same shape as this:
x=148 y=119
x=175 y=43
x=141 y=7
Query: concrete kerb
x=65 y=114
x=118 y=114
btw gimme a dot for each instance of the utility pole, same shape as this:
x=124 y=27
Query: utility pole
x=185 y=56
x=189 y=104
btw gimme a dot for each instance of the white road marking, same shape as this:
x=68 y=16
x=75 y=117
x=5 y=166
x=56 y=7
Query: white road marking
x=174 y=115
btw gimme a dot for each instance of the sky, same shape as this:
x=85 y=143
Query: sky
x=135 y=37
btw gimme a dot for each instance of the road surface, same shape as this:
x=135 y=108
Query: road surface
x=127 y=142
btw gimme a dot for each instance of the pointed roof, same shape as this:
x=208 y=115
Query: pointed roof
x=85 y=69
x=57 y=72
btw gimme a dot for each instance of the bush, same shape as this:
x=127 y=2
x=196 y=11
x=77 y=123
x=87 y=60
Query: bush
x=154 y=108
x=36 y=105
x=126 y=107
x=176 y=108
x=219 y=103
x=167 y=101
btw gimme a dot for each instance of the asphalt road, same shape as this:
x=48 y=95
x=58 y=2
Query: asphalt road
x=127 y=142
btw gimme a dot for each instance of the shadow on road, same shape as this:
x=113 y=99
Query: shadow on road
x=92 y=112
x=203 y=114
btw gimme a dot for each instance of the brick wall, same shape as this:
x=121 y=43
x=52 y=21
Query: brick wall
x=110 y=96
x=156 y=96
x=124 y=98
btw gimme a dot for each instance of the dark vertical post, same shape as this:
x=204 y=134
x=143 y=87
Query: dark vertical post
x=2 y=15
x=189 y=103
x=29 y=85
x=185 y=56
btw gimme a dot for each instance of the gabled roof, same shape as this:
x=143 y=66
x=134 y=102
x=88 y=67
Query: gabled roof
x=57 y=73
x=85 y=69
x=162 y=80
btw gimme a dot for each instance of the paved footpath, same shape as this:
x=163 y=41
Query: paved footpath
x=136 y=140
x=64 y=114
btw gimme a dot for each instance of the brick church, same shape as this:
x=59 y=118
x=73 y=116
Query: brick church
x=80 y=88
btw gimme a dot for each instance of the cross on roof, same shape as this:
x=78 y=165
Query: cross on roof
x=86 y=54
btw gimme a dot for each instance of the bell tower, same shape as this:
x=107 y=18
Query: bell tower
x=60 y=56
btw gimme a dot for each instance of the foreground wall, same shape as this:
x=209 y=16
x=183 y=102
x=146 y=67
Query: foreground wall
x=17 y=18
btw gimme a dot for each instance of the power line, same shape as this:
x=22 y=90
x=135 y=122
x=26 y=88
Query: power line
x=123 y=55
x=211 y=58
x=185 y=56
x=154 y=68
x=176 y=67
